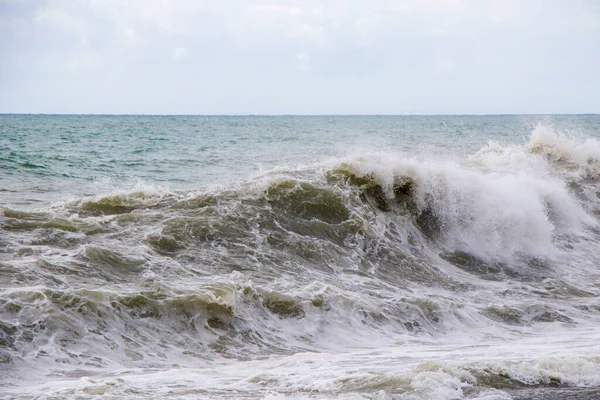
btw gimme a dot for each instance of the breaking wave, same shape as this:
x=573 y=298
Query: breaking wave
x=377 y=248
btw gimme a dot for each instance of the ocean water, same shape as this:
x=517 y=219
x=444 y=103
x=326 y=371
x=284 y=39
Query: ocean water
x=161 y=257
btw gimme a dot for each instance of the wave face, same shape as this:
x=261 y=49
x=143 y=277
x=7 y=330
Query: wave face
x=380 y=273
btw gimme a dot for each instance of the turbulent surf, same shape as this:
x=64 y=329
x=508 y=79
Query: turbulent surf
x=447 y=263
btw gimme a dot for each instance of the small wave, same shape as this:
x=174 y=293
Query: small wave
x=23 y=220
x=33 y=165
x=141 y=197
x=578 y=155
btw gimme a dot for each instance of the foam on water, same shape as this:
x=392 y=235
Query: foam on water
x=418 y=371
x=375 y=275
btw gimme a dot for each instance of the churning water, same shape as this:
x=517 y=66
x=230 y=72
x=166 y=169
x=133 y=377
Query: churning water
x=300 y=257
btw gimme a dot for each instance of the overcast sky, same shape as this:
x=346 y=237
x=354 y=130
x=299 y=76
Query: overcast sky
x=302 y=57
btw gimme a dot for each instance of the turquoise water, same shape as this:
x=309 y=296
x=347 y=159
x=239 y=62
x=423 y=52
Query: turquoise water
x=44 y=158
x=325 y=257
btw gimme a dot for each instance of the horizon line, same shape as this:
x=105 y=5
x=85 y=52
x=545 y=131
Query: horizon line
x=295 y=115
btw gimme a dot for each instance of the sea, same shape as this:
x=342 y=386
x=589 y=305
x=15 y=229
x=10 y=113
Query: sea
x=300 y=257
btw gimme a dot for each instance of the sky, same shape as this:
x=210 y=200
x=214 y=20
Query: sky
x=299 y=57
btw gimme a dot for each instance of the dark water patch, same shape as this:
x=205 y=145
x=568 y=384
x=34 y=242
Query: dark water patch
x=142 y=150
x=96 y=228
x=81 y=302
x=347 y=173
x=397 y=197
x=12 y=224
x=32 y=165
x=59 y=271
x=8 y=334
x=60 y=224
x=135 y=164
x=121 y=203
x=21 y=220
x=139 y=306
x=504 y=381
x=5 y=358
x=307 y=201
x=113 y=262
x=373 y=384
x=208 y=228
x=25 y=215
x=430 y=223
x=371 y=191
x=526 y=269
x=282 y=306
x=337 y=235
x=399 y=267
x=555 y=288
x=164 y=244
x=311 y=221
x=10 y=307
x=197 y=305
x=104 y=208
x=132 y=219
x=506 y=315
x=588 y=307
x=554 y=393
x=545 y=313
x=473 y=265
x=525 y=315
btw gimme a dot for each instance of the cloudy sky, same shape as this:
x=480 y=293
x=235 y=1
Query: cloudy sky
x=299 y=57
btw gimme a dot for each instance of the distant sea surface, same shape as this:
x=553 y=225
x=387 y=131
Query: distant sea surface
x=299 y=257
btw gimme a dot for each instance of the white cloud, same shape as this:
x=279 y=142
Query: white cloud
x=243 y=56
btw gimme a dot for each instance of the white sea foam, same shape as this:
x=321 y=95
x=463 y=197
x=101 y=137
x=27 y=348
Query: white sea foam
x=492 y=214
x=419 y=372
